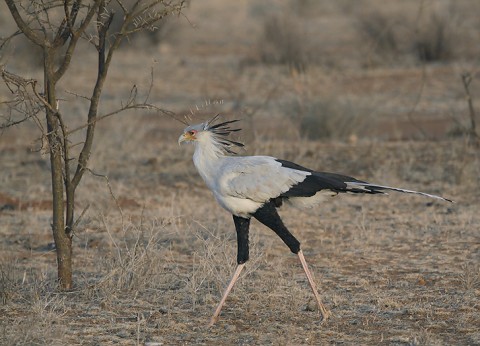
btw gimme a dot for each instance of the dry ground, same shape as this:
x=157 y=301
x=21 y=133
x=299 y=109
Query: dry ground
x=154 y=252
x=151 y=266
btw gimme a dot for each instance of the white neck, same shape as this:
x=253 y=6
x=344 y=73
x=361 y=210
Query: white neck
x=206 y=156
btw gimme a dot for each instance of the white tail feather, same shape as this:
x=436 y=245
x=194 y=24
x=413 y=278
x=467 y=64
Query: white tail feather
x=382 y=187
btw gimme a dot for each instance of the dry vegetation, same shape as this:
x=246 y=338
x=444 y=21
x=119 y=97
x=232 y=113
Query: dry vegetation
x=152 y=260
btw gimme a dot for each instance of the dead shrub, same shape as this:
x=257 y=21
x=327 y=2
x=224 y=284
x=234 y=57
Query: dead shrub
x=283 y=42
x=152 y=36
x=381 y=31
x=328 y=119
x=7 y=282
x=434 y=39
x=430 y=37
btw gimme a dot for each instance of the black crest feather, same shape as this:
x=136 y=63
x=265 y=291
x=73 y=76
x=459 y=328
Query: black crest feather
x=222 y=131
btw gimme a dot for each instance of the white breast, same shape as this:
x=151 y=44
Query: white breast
x=237 y=206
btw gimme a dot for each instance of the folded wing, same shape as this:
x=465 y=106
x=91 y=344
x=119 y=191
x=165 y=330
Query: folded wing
x=262 y=178
x=259 y=178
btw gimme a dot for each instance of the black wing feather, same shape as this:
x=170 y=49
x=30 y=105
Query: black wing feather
x=318 y=181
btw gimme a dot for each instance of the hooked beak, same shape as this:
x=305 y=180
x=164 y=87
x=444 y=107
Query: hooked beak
x=185 y=137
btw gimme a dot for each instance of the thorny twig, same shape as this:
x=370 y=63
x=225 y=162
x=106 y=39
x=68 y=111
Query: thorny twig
x=122 y=109
x=19 y=87
x=23 y=102
x=74 y=226
x=104 y=176
x=417 y=102
x=467 y=79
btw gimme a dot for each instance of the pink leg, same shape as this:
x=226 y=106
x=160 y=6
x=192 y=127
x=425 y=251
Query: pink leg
x=323 y=311
x=225 y=294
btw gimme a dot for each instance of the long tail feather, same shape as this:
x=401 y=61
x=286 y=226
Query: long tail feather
x=379 y=188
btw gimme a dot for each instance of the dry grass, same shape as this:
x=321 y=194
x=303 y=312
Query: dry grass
x=397 y=270
x=151 y=264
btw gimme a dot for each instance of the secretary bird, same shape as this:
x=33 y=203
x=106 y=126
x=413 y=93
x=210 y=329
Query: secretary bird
x=255 y=186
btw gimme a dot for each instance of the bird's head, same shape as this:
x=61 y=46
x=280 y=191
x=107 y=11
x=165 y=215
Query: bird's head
x=208 y=131
x=191 y=133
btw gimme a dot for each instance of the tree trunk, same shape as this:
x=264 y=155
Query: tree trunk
x=62 y=238
x=63 y=241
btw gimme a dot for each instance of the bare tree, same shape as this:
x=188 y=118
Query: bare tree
x=56 y=27
x=472 y=132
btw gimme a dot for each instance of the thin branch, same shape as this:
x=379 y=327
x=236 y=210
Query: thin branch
x=77 y=94
x=42 y=99
x=36 y=13
x=122 y=6
x=103 y=65
x=417 y=102
x=63 y=31
x=104 y=176
x=467 y=79
x=150 y=87
x=152 y=5
x=75 y=35
x=135 y=6
x=66 y=153
x=74 y=226
x=88 y=18
x=6 y=40
x=146 y=20
x=23 y=101
x=31 y=34
x=11 y=123
x=66 y=27
x=124 y=108
x=73 y=15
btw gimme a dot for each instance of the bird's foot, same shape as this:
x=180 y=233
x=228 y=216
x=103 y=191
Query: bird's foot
x=325 y=314
x=213 y=320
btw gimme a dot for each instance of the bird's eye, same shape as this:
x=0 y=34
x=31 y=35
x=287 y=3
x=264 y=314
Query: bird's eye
x=192 y=132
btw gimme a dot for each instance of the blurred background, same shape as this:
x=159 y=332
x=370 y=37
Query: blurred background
x=346 y=69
